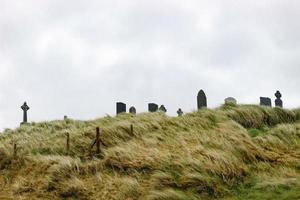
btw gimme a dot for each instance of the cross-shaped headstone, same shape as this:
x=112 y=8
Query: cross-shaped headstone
x=179 y=112
x=25 y=108
x=278 y=101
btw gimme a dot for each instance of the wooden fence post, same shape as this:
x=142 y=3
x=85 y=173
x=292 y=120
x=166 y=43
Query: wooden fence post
x=68 y=143
x=15 y=149
x=98 y=140
x=131 y=129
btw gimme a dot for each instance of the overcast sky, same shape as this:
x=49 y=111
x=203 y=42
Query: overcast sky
x=77 y=58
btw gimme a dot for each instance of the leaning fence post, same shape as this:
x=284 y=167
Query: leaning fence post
x=131 y=129
x=68 y=143
x=15 y=149
x=98 y=140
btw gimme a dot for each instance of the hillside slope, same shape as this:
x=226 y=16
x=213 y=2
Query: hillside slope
x=233 y=152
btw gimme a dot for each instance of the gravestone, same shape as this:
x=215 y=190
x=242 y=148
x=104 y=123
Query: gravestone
x=152 y=107
x=201 y=100
x=265 y=101
x=230 y=100
x=132 y=110
x=278 y=101
x=163 y=108
x=179 y=112
x=121 y=107
x=25 y=108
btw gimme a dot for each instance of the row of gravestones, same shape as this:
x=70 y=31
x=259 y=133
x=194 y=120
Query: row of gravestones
x=264 y=101
x=152 y=107
x=201 y=102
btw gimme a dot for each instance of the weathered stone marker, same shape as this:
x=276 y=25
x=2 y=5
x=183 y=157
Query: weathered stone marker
x=265 y=101
x=278 y=101
x=230 y=100
x=162 y=108
x=132 y=110
x=25 y=108
x=179 y=112
x=201 y=100
x=152 y=107
x=121 y=107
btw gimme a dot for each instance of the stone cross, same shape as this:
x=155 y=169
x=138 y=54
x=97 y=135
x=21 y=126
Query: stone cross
x=152 y=107
x=179 y=112
x=132 y=110
x=201 y=100
x=265 y=101
x=25 y=108
x=121 y=107
x=278 y=101
x=163 y=108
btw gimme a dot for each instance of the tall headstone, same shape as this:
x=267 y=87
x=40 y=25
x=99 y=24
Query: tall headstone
x=265 y=101
x=132 y=110
x=152 y=107
x=230 y=100
x=25 y=108
x=201 y=100
x=121 y=107
x=163 y=108
x=179 y=112
x=278 y=101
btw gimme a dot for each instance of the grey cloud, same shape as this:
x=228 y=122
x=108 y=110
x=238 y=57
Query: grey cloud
x=78 y=58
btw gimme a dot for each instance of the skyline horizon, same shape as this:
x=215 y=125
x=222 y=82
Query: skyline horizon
x=144 y=110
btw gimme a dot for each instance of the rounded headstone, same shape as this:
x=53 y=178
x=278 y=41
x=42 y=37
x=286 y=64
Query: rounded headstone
x=132 y=110
x=230 y=100
x=201 y=100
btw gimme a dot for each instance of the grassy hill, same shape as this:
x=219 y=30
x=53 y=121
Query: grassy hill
x=233 y=152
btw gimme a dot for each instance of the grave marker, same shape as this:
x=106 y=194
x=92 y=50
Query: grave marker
x=132 y=110
x=230 y=100
x=201 y=100
x=179 y=112
x=163 y=108
x=25 y=108
x=278 y=101
x=152 y=107
x=121 y=107
x=265 y=101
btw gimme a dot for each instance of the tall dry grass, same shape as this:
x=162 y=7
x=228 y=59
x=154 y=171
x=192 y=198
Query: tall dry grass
x=209 y=154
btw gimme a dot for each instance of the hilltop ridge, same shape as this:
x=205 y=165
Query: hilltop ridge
x=232 y=152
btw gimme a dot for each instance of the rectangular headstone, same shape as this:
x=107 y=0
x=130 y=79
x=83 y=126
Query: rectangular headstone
x=265 y=101
x=121 y=107
x=152 y=107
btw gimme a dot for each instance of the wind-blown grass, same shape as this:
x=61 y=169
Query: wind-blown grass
x=233 y=152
